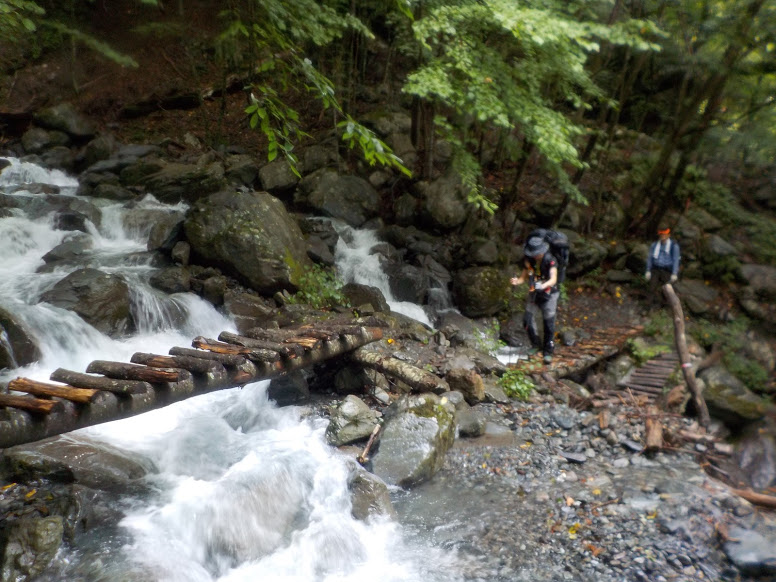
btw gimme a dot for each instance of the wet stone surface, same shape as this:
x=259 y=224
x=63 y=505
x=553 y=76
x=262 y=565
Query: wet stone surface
x=560 y=498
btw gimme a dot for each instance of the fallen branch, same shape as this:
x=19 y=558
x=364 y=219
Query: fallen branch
x=684 y=355
x=363 y=458
x=756 y=498
x=414 y=377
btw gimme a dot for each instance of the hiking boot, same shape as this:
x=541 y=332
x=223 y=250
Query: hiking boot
x=548 y=359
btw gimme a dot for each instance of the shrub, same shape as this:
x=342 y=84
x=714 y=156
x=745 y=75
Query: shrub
x=320 y=288
x=516 y=384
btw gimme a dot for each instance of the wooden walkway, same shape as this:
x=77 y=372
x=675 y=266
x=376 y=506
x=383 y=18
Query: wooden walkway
x=585 y=353
x=651 y=378
x=112 y=390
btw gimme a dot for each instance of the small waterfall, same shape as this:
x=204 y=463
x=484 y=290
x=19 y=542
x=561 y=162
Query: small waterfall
x=357 y=263
x=240 y=490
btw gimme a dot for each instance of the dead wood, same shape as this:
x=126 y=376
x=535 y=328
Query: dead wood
x=229 y=360
x=413 y=376
x=193 y=365
x=363 y=457
x=684 y=355
x=756 y=498
x=654 y=429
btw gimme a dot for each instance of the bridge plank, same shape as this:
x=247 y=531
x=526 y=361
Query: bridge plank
x=31 y=404
x=36 y=388
x=253 y=354
x=123 y=371
x=80 y=380
x=193 y=365
x=229 y=360
x=285 y=350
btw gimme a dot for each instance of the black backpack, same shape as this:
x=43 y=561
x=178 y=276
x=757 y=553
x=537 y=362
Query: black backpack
x=559 y=247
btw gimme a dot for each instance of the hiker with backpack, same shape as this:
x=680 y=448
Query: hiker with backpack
x=663 y=259
x=543 y=270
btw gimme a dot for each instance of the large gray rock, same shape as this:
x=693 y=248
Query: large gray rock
x=369 y=495
x=100 y=299
x=28 y=546
x=442 y=203
x=172 y=182
x=418 y=432
x=17 y=343
x=79 y=460
x=751 y=552
x=349 y=198
x=728 y=399
x=480 y=291
x=64 y=117
x=351 y=421
x=249 y=235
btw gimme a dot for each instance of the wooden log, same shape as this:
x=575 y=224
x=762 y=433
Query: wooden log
x=123 y=371
x=684 y=355
x=285 y=350
x=79 y=380
x=412 y=376
x=228 y=360
x=654 y=429
x=756 y=498
x=290 y=336
x=363 y=457
x=79 y=395
x=253 y=354
x=30 y=404
x=193 y=365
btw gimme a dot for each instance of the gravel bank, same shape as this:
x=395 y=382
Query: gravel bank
x=548 y=495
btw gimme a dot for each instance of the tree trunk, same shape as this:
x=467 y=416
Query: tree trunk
x=79 y=395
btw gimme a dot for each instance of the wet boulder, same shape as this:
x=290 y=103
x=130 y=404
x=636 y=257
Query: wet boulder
x=369 y=495
x=172 y=182
x=64 y=117
x=17 y=343
x=351 y=421
x=28 y=546
x=728 y=399
x=251 y=236
x=480 y=291
x=100 y=299
x=349 y=198
x=418 y=432
x=443 y=205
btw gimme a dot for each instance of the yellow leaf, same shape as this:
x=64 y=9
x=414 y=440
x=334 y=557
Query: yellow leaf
x=652 y=515
x=7 y=487
x=31 y=493
x=596 y=492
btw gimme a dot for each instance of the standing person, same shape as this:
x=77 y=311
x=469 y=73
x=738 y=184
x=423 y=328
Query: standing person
x=541 y=270
x=663 y=259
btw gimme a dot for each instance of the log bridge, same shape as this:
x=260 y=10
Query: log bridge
x=113 y=390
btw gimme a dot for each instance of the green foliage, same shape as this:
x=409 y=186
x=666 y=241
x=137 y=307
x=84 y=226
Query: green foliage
x=487 y=339
x=92 y=43
x=641 y=352
x=320 y=288
x=731 y=339
x=278 y=34
x=374 y=150
x=278 y=122
x=516 y=383
x=660 y=325
x=515 y=66
x=17 y=18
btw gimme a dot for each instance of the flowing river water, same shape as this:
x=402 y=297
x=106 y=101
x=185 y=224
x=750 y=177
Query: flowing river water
x=238 y=489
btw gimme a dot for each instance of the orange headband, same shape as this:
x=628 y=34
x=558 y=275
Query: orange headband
x=666 y=231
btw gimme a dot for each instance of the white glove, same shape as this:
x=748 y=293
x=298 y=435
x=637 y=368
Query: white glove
x=540 y=286
x=673 y=278
x=648 y=275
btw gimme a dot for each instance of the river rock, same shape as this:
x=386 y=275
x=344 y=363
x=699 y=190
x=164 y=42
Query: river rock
x=173 y=182
x=100 y=299
x=480 y=291
x=418 y=431
x=250 y=236
x=751 y=552
x=29 y=545
x=442 y=202
x=17 y=343
x=728 y=399
x=351 y=421
x=349 y=198
x=467 y=382
x=64 y=117
x=369 y=495
x=288 y=389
